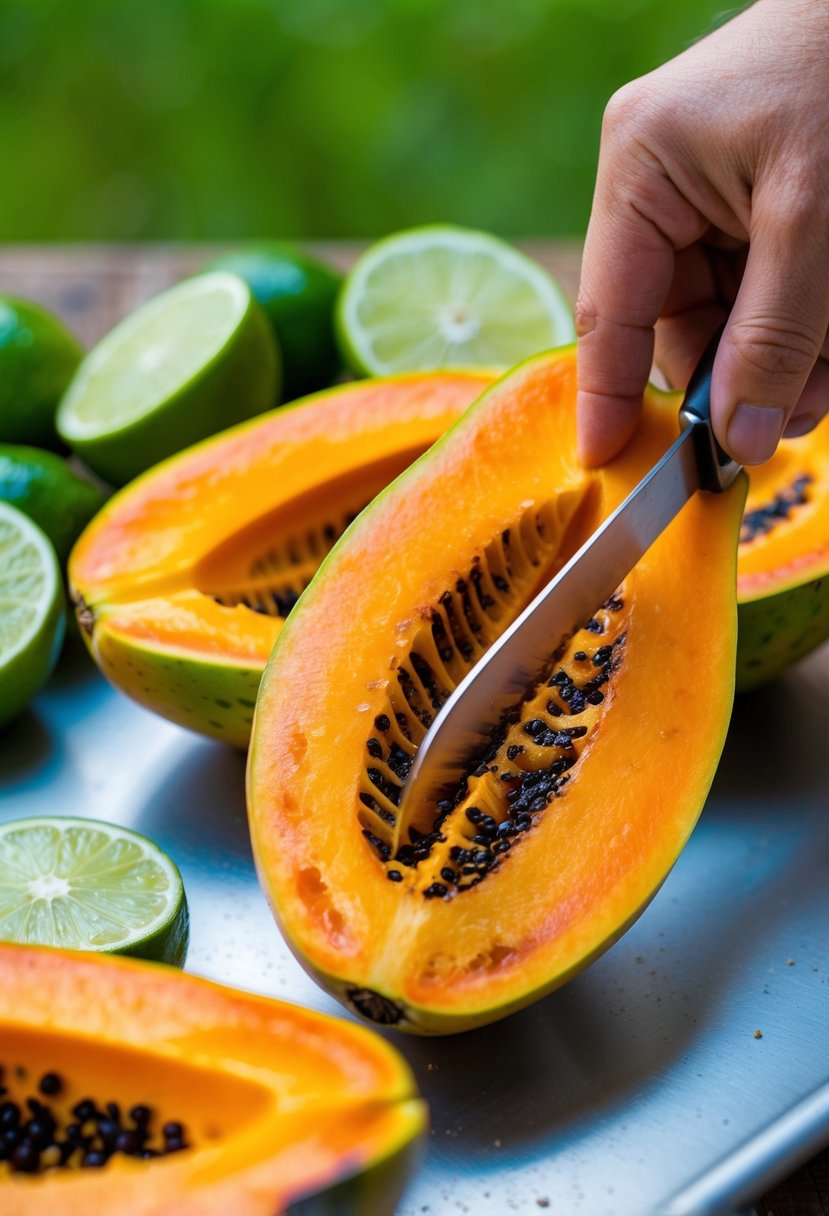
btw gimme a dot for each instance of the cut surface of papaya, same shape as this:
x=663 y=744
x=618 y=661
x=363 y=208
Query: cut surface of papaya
x=559 y=834
x=183 y=581
x=157 y=1092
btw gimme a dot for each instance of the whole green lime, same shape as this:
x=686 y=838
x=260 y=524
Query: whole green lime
x=299 y=294
x=38 y=357
x=44 y=487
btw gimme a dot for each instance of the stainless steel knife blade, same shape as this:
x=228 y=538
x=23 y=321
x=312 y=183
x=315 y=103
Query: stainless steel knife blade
x=463 y=727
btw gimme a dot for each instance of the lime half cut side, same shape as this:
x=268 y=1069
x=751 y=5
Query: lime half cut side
x=31 y=610
x=442 y=296
x=192 y=361
x=79 y=884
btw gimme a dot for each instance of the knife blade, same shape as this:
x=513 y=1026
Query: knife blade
x=464 y=725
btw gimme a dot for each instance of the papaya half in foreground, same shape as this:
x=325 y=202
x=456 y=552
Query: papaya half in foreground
x=561 y=833
x=183 y=580
x=142 y=1091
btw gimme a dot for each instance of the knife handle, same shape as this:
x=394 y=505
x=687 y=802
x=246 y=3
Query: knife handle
x=716 y=468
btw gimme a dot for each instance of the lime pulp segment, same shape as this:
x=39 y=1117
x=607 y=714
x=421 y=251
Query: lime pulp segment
x=81 y=885
x=445 y=297
x=29 y=582
x=152 y=354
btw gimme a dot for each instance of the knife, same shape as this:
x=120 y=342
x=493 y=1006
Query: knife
x=464 y=725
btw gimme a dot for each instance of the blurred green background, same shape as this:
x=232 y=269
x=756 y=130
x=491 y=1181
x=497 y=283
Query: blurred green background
x=228 y=119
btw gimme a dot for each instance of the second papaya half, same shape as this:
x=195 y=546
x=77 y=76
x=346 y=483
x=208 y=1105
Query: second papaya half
x=558 y=834
x=182 y=582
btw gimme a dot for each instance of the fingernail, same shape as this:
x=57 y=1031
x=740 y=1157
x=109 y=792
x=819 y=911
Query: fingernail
x=754 y=432
x=799 y=424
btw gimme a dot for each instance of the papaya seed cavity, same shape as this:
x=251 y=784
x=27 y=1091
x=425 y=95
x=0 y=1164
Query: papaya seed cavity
x=532 y=754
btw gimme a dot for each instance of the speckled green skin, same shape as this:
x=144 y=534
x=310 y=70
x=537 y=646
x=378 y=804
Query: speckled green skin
x=199 y=693
x=777 y=630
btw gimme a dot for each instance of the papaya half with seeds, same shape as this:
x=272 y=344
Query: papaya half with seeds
x=559 y=834
x=783 y=571
x=190 y=1098
x=183 y=580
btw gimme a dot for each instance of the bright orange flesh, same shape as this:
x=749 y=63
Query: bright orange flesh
x=277 y=1101
x=596 y=854
x=184 y=579
x=154 y=533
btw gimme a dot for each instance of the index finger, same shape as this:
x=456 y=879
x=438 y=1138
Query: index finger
x=638 y=220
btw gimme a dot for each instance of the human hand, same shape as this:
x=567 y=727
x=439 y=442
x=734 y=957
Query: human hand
x=712 y=195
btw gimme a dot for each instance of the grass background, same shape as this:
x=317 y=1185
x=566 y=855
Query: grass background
x=228 y=119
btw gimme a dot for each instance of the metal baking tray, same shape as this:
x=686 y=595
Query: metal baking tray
x=642 y=1086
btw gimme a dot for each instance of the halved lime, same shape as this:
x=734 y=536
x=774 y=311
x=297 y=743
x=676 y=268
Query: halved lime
x=31 y=610
x=79 y=884
x=194 y=360
x=442 y=296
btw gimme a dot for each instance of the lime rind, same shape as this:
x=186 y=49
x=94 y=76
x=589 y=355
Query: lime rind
x=38 y=357
x=80 y=884
x=442 y=296
x=152 y=354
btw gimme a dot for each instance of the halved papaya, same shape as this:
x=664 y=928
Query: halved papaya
x=183 y=580
x=180 y=1096
x=560 y=833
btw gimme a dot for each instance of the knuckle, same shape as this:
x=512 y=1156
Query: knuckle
x=798 y=209
x=782 y=350
x=797 y=201
x=623 y=115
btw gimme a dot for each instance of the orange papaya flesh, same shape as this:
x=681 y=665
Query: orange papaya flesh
x=278 y=1105
x=182 y=582
x=560 y=835
x=783 y=580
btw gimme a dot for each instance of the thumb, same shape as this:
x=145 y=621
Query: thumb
x=774 y=335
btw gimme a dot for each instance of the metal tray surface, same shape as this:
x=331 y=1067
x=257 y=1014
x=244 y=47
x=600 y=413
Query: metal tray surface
x=640 y=1087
